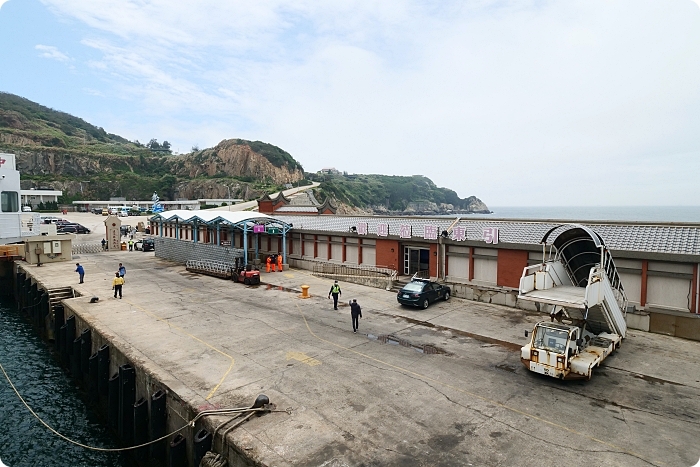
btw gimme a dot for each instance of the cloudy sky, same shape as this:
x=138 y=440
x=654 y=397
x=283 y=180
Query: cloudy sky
x=520 y=102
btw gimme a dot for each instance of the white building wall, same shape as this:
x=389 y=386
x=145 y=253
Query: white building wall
x=351 y=254
x=322 y=245
x=369 y=255
x=669 y=292
x=336 y=252
x=486 y=269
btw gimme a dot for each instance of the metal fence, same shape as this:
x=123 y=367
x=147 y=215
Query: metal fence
x=209 y=267
x=85 y=248
x=353 y=270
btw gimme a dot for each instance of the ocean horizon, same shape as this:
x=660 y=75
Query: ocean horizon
x=596 y=213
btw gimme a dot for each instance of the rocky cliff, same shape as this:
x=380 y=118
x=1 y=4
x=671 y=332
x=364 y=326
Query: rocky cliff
x=231 y=168
x=234 y=158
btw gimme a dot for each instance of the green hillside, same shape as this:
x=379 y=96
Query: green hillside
x=26 y=123
x=395 y=193
x=56 y=149
x=60 y=151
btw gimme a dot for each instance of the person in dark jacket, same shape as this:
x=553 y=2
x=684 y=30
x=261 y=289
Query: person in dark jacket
x=356 y=313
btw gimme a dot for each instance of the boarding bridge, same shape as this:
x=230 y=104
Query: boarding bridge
x=578 y=277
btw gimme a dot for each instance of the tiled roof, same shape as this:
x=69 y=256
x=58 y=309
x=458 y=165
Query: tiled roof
x=305 y=198
x=660 y=238
x=290 y=208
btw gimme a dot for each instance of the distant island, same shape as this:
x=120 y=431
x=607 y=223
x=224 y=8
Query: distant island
x=56 y=150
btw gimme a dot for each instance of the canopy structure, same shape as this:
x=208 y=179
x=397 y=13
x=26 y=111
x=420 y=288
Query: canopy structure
x=245 y=221
x=580 y=249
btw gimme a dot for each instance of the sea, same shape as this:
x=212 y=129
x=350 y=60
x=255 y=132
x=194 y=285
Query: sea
x=49 y=391
x=596 y=213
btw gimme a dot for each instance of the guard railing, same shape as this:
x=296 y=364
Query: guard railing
x=353 y=270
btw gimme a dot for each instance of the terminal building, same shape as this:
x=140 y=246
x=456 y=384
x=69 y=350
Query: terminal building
x=483 y=259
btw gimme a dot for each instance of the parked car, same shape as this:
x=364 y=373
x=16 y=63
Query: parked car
x=105 y=212
x=422 y=293
x=72 y=228
x=138 y=245
x=26 y=209
x=147 y=244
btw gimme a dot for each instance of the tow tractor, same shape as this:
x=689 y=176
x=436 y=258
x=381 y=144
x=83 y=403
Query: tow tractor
x=579 y=282
x=246 y=274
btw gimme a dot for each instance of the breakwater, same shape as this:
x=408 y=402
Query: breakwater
x=133 y=404
x=50 y=392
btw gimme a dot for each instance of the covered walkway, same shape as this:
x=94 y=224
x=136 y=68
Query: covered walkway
x=220 y=227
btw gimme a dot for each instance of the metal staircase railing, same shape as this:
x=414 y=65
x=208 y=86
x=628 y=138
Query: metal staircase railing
x=211 y=268
x=353 y=270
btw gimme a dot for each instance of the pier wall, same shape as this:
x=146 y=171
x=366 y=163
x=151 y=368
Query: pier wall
x=148 y=379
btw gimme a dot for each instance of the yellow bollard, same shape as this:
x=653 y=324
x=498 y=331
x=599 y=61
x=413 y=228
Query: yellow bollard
x=305 y=291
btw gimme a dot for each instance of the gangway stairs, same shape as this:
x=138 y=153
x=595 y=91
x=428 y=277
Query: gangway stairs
x=578 y=278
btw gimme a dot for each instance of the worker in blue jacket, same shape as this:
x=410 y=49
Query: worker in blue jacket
x=80 y=271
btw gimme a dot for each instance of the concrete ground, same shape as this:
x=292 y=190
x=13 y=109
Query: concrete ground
x=373 y=398
x=359 y=400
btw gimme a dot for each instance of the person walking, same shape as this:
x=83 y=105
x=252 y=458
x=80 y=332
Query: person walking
x=273 y=263
x=336 y=292
x=131 y=243
x=268 y=261
x=122 y=271
x=279 y=262
x=79 y=269
x=356 y=313
x=117 y=284
x=104 y=244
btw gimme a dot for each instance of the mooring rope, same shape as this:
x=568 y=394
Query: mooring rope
x=204 y=413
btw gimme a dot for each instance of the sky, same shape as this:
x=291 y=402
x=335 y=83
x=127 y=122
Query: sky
x=520 y=103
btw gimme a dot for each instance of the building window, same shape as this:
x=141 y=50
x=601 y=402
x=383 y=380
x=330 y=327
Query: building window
x=9 y=201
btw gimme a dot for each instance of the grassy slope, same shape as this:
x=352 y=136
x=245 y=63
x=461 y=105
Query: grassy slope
x=126 y=168
x=390 y=191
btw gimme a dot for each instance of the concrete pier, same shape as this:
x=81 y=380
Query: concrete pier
x=442 y=386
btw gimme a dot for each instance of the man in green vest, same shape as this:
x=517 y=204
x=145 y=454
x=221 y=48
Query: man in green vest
x=335 y=291
x=131 y=244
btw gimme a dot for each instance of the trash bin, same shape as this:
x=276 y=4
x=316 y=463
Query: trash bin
x=123 y=246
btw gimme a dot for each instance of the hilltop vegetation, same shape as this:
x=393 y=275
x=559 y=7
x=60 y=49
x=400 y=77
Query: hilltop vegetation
x=26 y=123
x=395 y=193
x=60 y=151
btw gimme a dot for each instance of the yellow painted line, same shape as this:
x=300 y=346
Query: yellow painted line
x=482 y=398
x=174 y=326
x=303 y=358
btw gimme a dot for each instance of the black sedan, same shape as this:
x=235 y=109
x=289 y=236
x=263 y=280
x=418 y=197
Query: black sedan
x=148 y=244
x=72 y=228
x=422 y=293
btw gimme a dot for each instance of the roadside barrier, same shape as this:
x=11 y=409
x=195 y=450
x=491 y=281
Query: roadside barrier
x=210 y=268
x=86 y=248
x=353 y=270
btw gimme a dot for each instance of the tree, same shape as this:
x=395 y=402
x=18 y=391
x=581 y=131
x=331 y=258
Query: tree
x=165 y=146
x=153 y=144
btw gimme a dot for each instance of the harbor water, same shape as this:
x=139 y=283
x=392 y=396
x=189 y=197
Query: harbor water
x=596 y=213
x=47 y=388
